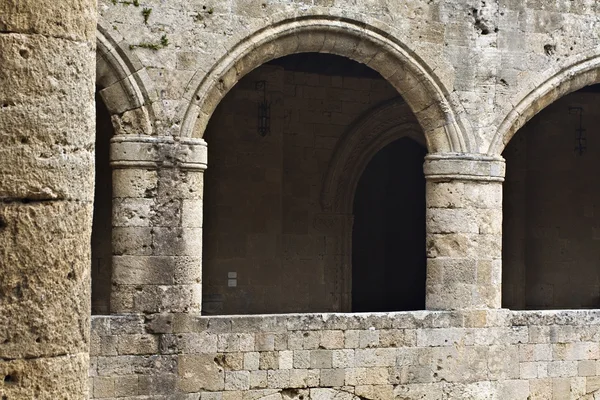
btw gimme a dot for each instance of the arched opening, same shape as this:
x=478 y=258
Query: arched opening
x=437 y=110
x=552 y=208
x=102 y=220
x=270 y=244
x=388 y=238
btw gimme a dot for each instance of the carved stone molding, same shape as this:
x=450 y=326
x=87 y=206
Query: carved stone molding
x=154 y=152
x=465 y=167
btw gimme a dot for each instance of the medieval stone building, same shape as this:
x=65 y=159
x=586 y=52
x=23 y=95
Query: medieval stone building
x=299 y=199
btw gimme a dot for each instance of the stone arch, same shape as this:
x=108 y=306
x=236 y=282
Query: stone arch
x=583 y=71
x=124 y=85
x=375 y=130
x=372 y=132
x=423 y=92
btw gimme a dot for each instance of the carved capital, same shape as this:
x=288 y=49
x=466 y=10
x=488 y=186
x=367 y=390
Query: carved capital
x=465 y=167
x=155 y=152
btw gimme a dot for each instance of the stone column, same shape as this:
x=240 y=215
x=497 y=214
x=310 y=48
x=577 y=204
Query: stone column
x=464 y=231
x=47 y=133
x=157 y=224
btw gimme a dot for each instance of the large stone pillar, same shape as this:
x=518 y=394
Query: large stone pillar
x=47 y=133
x=464 y=231
x=157 y=224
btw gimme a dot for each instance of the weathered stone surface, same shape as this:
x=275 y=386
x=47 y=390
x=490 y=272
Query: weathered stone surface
x=73 y=19
x=45 y=378
x=47 y=120
x=44 y=256
x=201 y=372
x=47 y=145
x=472 y=73
x=497 y=359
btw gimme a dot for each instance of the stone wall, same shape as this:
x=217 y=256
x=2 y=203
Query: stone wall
x=417 y=355
x=263 y=195
x=473 y=72
x=480 y=59
x=551 y=210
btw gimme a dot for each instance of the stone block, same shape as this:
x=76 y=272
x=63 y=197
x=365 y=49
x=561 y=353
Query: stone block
x=132 y=212
x=157 y=384
x=200 y=372
x=562 y=369
x=251 y=361
x=587 y=368
x=286 y=359
x=368 y=338
x=343 y=358
x=301 y=359
x=168 y=241
x=269 y=360
x=332 y=377
x=137 y=344
x=135 y=183
x=159 y=323
x=104 y=387
x=237 y=380
x=321 y=359
x=258 y=379
x=126 y=386
x=131 y=365
x=332 y=339
x=278 y=379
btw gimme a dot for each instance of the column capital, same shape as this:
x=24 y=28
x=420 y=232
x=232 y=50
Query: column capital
x=158 y=151
x=465 y=167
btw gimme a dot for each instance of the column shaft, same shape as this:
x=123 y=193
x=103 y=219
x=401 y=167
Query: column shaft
x=157 y=225
x=47 y=131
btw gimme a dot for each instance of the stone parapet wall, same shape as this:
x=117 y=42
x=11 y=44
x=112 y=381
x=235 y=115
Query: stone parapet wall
x=479 y=354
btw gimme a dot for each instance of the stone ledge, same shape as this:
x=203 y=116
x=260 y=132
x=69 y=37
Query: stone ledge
x=465 y=167
x=191 y=322
x=153 y=152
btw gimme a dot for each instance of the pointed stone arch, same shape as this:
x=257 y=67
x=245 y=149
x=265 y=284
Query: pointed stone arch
x=379 y=127
x=422 y=91
x=373 y=131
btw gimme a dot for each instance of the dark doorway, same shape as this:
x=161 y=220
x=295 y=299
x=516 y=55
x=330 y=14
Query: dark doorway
x=388 y=238
x=102 y=223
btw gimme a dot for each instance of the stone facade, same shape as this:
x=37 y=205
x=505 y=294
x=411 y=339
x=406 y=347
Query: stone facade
x=483 y=354
x=472 y=74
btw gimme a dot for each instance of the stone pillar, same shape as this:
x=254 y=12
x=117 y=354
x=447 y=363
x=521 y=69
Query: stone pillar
x=464 y=231
x=157 y=224
x=47 y=133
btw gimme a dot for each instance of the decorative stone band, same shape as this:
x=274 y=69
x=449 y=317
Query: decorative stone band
x=465 y=167
x=156 y=151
